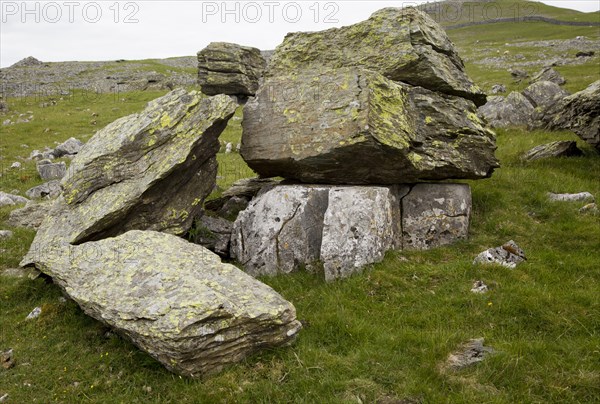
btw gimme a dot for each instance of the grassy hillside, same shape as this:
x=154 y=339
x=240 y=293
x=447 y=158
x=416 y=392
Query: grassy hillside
x=379 y=336
x=449 y=13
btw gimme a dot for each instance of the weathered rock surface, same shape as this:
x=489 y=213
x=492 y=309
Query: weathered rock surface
x=579 y=112
x=69 y=147
x=579 y=197
x=514 y=110
x=148 y=171
x=237 y=197
x=50 y=189
x=548 y=74
x=561 y=148
x=290 y=227
x=10 y=199
x=360 y=225
x=214 y=233
x=281 y=230
x=434 y=215
x=28 y=61
x=590 y=209
x=227 y=68
x=498 y=88
x=31 y=215
x=403 y=44
x=509 y=255
x=173 y=299
x=544 y=94
x=363 y=129
x=51 y=171
x=5 y=234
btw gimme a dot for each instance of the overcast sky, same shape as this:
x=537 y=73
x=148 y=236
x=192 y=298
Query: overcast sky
x=108 y=30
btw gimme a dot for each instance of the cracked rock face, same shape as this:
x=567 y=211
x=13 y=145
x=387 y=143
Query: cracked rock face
x=173 y=299
x=227 y=68
x=514 y=110
x=353 y=126
x=345 y=228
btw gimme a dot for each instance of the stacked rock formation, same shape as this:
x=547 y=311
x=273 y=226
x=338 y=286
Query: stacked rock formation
x=359 y=114
x=110 y=241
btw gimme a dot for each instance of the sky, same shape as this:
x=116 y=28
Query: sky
x=97 y=30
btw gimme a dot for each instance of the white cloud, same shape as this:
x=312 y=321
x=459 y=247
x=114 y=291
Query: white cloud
x=107 y=30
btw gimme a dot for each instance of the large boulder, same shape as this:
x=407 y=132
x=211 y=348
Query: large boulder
x=434 y=215
x=514 y=110
x=362 y=128
x=173 y=299
x=227 y=68
x=148 y=171
x=579 y=112
x=292 y=227
x=403 y=44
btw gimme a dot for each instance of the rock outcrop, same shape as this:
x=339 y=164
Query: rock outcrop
x=227 y=68
x=291 y=227
x=147 y=171
x=580 y=113
x=362 y=128
x=173 y=299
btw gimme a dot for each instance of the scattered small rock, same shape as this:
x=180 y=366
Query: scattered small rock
x=509 y=255
x=518 y=74
x=7 y=359
x=548 y=74
x=228 y=148
x=579 y=197
x=555 y=149
x=469 y=354
x=51 y=171
x=16 y=164
x=10 y=199
x=147 y=389
x=5 y=234
x=582 y=54
x=36 y=155
x=590 y=209
x=69 y=147
x=35 y=313
x=479 y=287
x=6 y=122
x=4 y=398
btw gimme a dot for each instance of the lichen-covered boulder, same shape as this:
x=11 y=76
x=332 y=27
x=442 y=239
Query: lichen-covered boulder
x=360 y=225
x=561 y=148
x=403 y=44
x=147 y=171
x=579 y=112
x=31 y=215
x=434 y=215
x=227 y=68
x=173 y=299
x=352 y=126
x=281 y=230
x=514 y=110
